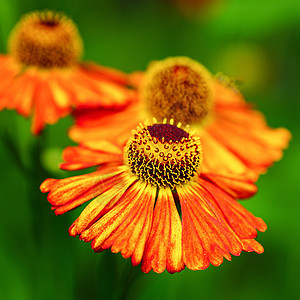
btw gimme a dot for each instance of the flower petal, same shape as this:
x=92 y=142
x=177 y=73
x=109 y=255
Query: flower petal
x=49 y=94
x=93 y=125
x=227 y=96
x=240 y=219
x=126 y=227
x=66 y=194
x=164 y=247
x=104 y=73
x=251 y=245
x=77 y=158
x=205 y=239
x=215 y=154
x=45 y=109
x=234 y=185
x=245 y=132
x=19 y=94
x=107 y=85
x=100 y=205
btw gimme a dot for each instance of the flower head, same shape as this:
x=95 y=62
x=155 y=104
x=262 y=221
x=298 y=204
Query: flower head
x=163 y=154
x=46 y=39
x=236 y=140
x=42 y=75
x=178 y=88
x=152 y=202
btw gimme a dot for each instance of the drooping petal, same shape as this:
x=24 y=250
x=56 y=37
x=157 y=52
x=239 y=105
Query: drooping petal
x=75 y=92
x=45 y=109
x=63 y=97
x=66 y=194
x=105 y=73
x=9 y=71
x=26 y=96
x=235 y=185
x=240 y=219
x=247 y=145
x=250 y=245
x=227 y=96
x=136 y=78
x=205 y=239
x=19 y=93
x=126 y=227
x=217 y=159
x=94 y=125
x=77 y=158
x=244 y=131
x=100 y=205
x=108 y=85
x=164 y=247
x=49 y=94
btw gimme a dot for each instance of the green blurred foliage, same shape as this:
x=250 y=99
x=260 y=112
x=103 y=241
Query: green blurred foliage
x=257 y=41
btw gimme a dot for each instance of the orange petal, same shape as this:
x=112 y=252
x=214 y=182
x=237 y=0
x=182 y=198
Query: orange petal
x=94 y=125
x=100 y=205
x=102 y=144
x=104 y=73
x=26 y=103
x=126 y=227
x=8 y=72
x=103 y=91
x=240 y=219
x=234 y=185
x=81 y=157
x=213 y=206
x=62 y=97
x=246 y=146
x=74 y=92
x=227 y=96
x=251 y=245
x=19 y=94
x=66 y=194
x=205 y=239
x=136 y=78
x=245 y=132
x=45 y=111
x=217 y=159
x=164 y=246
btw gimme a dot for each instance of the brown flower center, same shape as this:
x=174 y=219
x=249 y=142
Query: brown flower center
x=163 y=154
x=45 y=39
x=178 y=88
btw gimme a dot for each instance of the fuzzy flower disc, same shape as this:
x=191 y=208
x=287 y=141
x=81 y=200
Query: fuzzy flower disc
x=46 y=39
x=178 y=88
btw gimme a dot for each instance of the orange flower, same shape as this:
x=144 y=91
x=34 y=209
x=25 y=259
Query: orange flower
x=152 y=203
x=235 y=138
x=42 y=75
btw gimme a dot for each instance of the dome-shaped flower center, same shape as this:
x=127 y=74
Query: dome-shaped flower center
x=178 y=88
x=45 y=39
x=163 y=154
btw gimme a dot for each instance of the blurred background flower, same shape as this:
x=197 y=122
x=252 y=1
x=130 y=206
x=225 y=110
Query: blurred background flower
x=254 y=41
x=43 y=77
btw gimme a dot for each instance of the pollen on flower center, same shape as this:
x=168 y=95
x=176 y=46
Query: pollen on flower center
x=163 y=154
x=45 y=39
x=178 y=88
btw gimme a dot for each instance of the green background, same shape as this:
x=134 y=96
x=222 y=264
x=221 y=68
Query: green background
x=255 y=41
